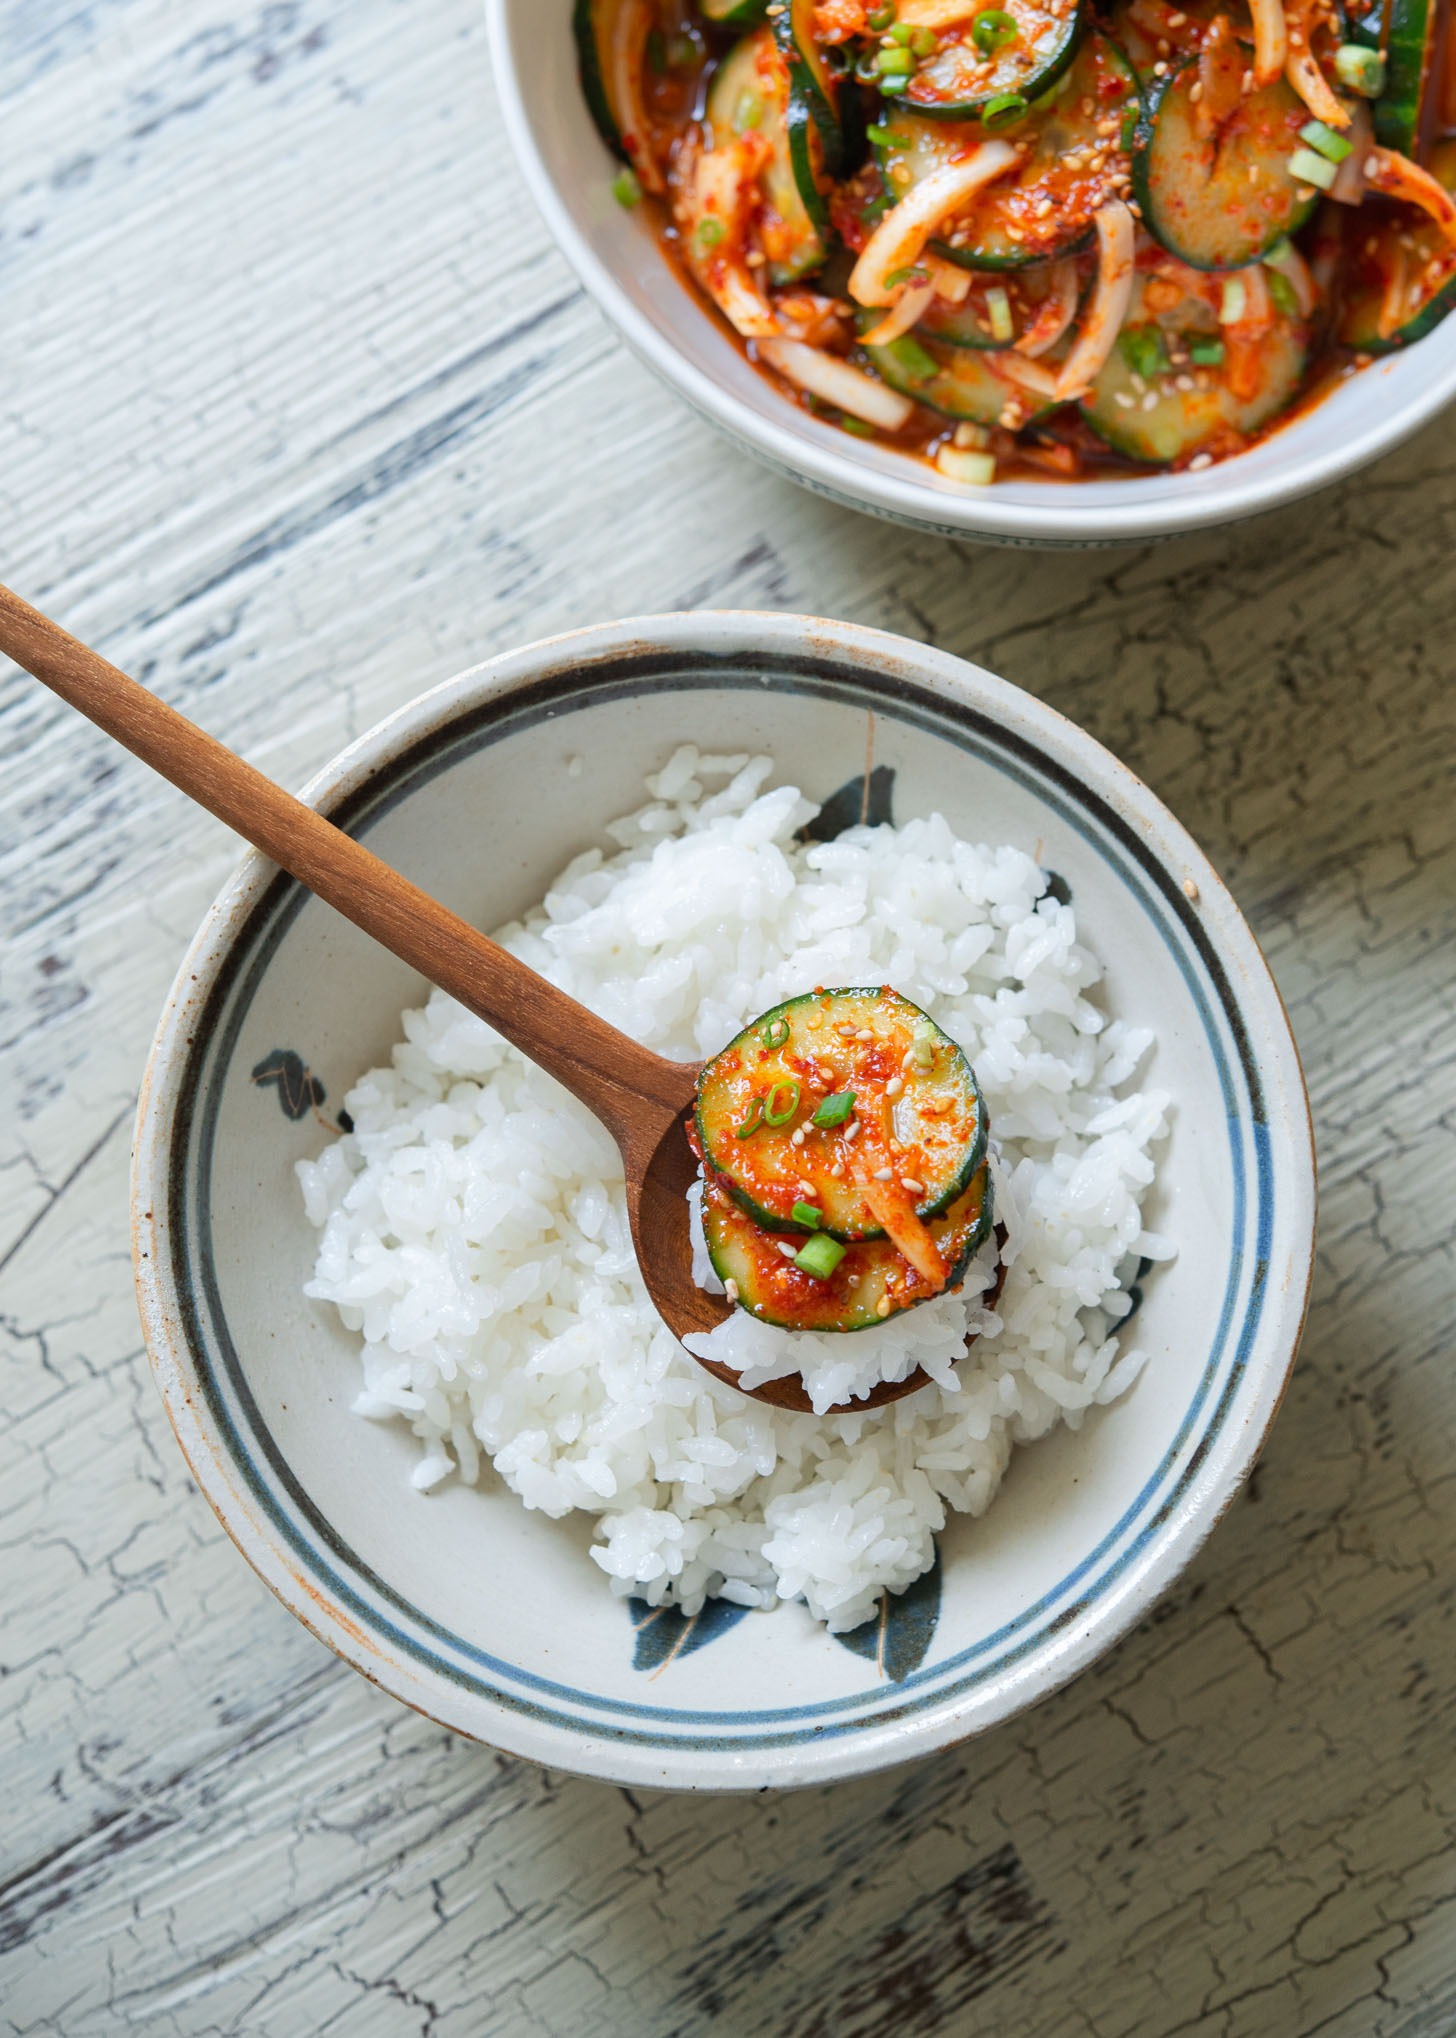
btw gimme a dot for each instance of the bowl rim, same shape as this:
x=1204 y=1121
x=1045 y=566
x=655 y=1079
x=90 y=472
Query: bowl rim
x=1230 y=1451
x=811 y=454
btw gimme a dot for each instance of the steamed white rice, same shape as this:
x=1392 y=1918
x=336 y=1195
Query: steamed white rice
x=474 y=1235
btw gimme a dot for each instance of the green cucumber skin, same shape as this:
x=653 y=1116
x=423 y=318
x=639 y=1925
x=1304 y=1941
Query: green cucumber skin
x=1396 y=114
x=742 y=14
x=1007 y=264
x=1425 y=321
x=768 y=1220
x=1142 y=144
x=790 y=28
x=801 y=158
x=1041 y=81
x=793 y=159
x=866 y=1316
x=593 y=84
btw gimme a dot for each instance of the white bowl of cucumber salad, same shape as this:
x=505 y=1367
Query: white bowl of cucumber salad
x=871 y=371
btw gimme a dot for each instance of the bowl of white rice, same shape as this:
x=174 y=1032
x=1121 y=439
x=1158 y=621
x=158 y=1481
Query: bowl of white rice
x=392 y=1303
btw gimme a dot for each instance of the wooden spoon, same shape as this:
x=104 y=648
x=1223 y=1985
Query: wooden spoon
x=643 y=1100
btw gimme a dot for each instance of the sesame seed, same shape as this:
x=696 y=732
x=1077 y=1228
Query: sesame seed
x=805 y=1188
x=1125 y=402
x=790 y=1252
x=1150 y=401
x=1200 y=461
x=797 y=1136
x=1195 y=91
x=882 y=1307
x=1160 y=69
x=837 y=1171
x=865 y=1033
x=730 y=1289
x=894 y=1087
x=884 y=1174
x=909 y=1183
x=1184 y=383
x=1190 y=890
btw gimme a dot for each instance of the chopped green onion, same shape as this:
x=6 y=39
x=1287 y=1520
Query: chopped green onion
x=1144 y=350
x=912 y=360
x=625 y=188
x=779 y=1114
x=1325 y=140
x=748 y=113
x=998 y=310
x=911 y=275
x=820 y=1256
x=922 y=1044
x=834 y=1110
x=882 y=137
x=775 y=1033
x=1282 y=291
x=1206 y=353
x=924 y=42
x=1004 y=110
x=901 y=34
x=895 y=63
x=992 y=30
x=805 y=1213
x=1362 y=70
x=1309 y=168
x=857 y=428
x=971 y=470
x=893 y=88
x=752 y=1122
x=710 y=232
x=1235 y=300
x=880 y=20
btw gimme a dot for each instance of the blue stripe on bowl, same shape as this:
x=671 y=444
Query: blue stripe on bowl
x=368 y=1598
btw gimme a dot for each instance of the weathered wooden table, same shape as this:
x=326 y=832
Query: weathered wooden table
x=300 y=415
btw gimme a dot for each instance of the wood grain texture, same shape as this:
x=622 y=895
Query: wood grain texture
x=298 y=415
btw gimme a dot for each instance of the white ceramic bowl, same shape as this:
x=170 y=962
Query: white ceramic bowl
x=493 y=1620
x=569 y=172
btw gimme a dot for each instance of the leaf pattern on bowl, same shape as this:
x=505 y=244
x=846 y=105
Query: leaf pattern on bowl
x=299 y=1089
x=664 y=1633
x=897 y=1638
x=868 y=799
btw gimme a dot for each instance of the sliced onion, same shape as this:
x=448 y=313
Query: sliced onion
x=1030 y=375
x=1392 y=313
x=628 y=60
x=952 y=282
x=721 y=185
x=908 y=311
x=1109 y=302
x=1349 y=185
x=891 y=1207
x=1396 y=176
x=1258 y=313
x=1053 y=315
x=898 y=240
x=1305 y=75
x=1271 y=39
x=835 y=381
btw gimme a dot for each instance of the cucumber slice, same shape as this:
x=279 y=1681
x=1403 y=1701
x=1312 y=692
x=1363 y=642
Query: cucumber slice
x=733 y=13
x=750 y=93
x=1399 y=271
x=814 y=91
x=958 y=81
x=1162 y=22
x=597 y=24
x=1070 y=169
x=1409 y=48
x=774 y=1290
x=954 y=381
x=1219 y=201
x=790 y=1062
x=1180 y=422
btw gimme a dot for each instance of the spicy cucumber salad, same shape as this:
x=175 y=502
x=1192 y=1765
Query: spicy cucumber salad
x=1044 y=236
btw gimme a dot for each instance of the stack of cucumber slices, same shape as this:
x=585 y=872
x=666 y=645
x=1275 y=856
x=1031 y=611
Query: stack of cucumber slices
x=1239 y=140
x=843 y=1143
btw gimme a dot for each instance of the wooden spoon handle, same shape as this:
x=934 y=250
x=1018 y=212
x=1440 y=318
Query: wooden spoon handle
x=613 y=1076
